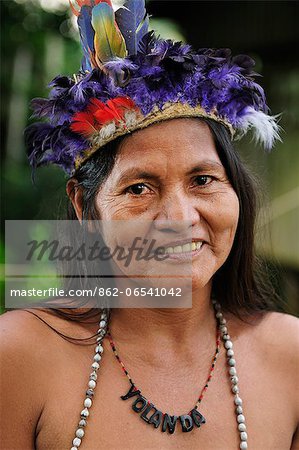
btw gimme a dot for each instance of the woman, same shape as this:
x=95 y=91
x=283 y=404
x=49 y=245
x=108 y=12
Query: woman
x=173 y=168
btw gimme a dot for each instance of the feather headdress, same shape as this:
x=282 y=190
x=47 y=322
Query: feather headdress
x=130 y=79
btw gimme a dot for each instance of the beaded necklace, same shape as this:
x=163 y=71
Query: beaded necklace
x=143 y=406
x=167 y=421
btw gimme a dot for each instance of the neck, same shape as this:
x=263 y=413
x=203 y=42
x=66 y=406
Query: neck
x=174 y=330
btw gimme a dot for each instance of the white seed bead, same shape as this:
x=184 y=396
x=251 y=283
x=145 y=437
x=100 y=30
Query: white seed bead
x=232 y=362
x=223 y=321
x=80 y=433
x=240 y=418
x=95 y=365
x=74 y=448
x=235 y=389
x=87 y=403
x=230 y=352
x=82 y=423
x=99 y=349
x=99 y=338
x=243 y=445
x=92 y=384
x=84 y=412
x=97 y=357
x=228 y=344
x=240 y=411
x=76 y=442
x=219 y=315
x=234 y=379
x=242 y=427
x=223 y=329
x=232 y=371
x=243 y=436
x=103 y=323
x=226 y=337
x=238 y=400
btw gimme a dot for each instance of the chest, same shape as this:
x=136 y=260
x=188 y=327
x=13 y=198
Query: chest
x=113 y=424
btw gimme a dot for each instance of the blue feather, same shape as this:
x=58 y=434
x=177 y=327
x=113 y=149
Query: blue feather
x=133 y=22
x=87 y=36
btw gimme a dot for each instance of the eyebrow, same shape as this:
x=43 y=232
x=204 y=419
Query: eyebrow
x=206 y=165
x=136 y=172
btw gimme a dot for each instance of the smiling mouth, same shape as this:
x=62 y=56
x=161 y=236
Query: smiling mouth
x=186 y=248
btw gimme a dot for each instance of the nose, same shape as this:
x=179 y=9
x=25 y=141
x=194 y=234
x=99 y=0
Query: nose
x=177 y=213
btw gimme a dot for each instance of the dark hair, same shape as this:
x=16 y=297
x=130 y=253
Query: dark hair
x=241 y=285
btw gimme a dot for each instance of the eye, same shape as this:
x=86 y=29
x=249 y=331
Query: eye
x=202 y=180
x=137 y=189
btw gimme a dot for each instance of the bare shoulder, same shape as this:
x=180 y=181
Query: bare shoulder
x=22 y=394
x=278 y=330
x=30 y=353
x=23 y=338
x=275 y=336
x=20 y=328
x=270 y=344
x=279 y=333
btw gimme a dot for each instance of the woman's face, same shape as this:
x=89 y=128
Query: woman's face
x=168 y=180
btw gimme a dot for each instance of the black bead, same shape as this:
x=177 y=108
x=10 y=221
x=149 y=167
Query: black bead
x=186 y=422
x=131 y=392
x=155 y=419
x=89 y=393
x=146 y=411
x=170 y=423
x=198 y=419
x=138 y=400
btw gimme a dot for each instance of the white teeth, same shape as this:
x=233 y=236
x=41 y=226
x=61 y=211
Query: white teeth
x=186 y=248
x=177 y=249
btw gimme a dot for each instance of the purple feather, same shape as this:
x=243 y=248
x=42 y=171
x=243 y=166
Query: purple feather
x=133 y=22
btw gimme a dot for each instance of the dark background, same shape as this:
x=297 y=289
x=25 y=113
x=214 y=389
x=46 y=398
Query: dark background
x=39 y=41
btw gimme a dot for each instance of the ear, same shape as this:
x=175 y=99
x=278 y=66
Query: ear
x=75 y=194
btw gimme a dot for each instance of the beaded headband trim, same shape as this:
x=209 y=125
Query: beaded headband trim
x=130 y=79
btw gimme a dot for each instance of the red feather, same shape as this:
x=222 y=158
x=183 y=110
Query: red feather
x=84 y=123
x=98 y=114
x=123 y=102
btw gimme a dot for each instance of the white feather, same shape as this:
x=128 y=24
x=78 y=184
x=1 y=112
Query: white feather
x=265 y=128
x=108 y=130
x=130 y=118
x=117 y=4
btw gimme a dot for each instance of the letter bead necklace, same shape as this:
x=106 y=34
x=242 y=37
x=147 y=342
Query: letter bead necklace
x=147 y=411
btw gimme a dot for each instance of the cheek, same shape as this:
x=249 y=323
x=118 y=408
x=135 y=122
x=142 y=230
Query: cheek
x=223 y=218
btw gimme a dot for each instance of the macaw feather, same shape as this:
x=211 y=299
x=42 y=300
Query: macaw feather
x=99 y=114
x=133 y=22
x=89 y=3
x=85 y=123
x=108 y=40
x=87 y=35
